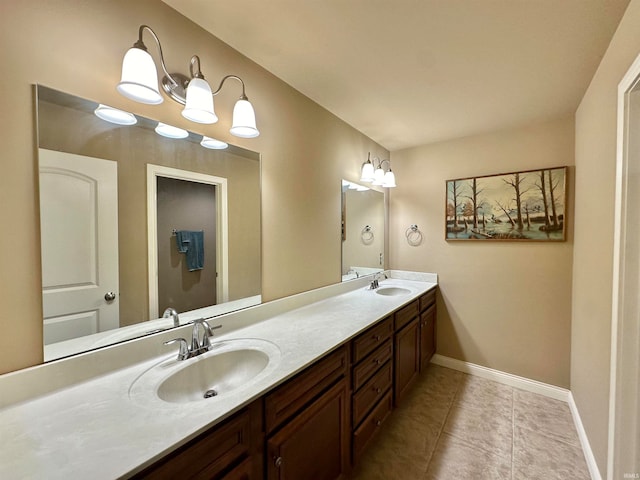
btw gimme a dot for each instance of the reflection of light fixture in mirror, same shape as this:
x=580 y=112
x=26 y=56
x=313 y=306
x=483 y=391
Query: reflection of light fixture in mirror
x=213 y=144
x=113 y=115
x=169 y=131
x=139 y=82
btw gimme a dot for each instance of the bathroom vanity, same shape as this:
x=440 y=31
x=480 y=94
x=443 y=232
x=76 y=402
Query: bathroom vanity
x=339 y=360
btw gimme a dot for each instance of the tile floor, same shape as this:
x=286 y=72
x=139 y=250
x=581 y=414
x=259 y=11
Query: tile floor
x=458 y=426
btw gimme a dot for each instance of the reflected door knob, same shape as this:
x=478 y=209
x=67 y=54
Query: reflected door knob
x=109 y=296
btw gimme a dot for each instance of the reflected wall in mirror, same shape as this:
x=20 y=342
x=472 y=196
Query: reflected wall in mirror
x=363 y=230
x=103 y=252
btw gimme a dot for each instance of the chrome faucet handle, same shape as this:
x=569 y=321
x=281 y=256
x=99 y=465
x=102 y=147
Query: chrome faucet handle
x=183 y=353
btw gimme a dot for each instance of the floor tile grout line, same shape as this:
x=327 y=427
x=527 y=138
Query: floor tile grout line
x=444 y=422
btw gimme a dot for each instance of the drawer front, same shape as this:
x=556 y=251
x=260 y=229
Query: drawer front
x=371 y=339
x=370 y=426
x=207 y=455
x=370 y=365
x=406 y=314
x=371 y=392
x=427 y=299
x=288 y=399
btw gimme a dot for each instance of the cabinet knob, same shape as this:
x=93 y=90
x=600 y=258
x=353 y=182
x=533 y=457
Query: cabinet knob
x=376 y=338
x=377 y=390
x=277 y=461
x=378 y=423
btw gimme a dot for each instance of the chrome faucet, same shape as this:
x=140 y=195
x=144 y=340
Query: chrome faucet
x=375 y=282
x=198 y=346
x=171 y=313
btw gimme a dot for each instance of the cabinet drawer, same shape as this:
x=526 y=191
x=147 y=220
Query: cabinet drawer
x=371 y=392
x=209 y=455
x=288 y=399
x=406 y=314
x=370 y=426
x=427 y=299
x=367 y=367
x=371 y=339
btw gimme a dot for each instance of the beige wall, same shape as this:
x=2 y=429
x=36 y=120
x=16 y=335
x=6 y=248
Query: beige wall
x=77 y=46
x=503 y=305
x=593 y=253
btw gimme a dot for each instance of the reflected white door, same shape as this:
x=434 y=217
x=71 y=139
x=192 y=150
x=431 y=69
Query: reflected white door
x=79 y=231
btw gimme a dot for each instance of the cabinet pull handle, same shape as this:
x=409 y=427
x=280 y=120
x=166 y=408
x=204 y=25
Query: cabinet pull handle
x=277 y=462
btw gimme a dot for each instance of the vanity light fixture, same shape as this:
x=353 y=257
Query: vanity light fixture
x=377 y=176
x=113 y=115
x=213 y=144
x=169 y=131
x=139 y=82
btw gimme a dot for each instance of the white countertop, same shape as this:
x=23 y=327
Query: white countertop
x=93 y=429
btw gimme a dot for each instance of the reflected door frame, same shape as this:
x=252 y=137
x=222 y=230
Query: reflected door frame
x=222 y=242
x=624 y=400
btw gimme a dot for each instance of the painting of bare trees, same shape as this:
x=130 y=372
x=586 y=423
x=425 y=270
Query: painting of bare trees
x=513 y=206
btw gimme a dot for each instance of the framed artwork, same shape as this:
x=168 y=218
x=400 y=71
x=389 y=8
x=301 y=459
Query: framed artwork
x=519 y=206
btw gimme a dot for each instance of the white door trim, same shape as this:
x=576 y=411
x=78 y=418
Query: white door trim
x=222 y=241
x=626 y=85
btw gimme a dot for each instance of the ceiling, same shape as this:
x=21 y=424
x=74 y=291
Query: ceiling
x=412 y=72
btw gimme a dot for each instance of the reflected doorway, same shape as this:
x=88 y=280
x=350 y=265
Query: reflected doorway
x=181 y=203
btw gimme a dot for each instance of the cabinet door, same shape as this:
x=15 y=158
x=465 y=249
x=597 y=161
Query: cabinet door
x=407 y=358
x=427 y=336
x=314 y=445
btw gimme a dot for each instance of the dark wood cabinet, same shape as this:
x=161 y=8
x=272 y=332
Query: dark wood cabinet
x=406 y=351
x=372 y=381
x=231 y=450
x=427 y=336
x=314 y=445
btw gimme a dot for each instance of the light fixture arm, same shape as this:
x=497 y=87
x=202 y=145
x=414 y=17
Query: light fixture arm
x=380 y=162
x=140 y=44
x=224 y=79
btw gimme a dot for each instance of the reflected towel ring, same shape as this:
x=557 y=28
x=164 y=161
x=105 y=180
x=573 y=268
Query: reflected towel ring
x=414 y=235
x=366 y=235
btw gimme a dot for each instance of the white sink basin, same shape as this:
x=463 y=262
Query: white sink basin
x=392 y=291
x=229 y=366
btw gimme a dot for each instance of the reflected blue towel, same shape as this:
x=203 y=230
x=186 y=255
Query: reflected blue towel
x=191 y=243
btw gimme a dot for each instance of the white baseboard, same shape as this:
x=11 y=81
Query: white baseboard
x=531 y=386
x=584 y=440
x=501 y=377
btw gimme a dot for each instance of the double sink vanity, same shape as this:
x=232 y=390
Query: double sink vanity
x=294 y=388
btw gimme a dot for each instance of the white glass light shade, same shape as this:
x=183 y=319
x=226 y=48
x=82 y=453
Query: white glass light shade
x=199 y=107
x=389 y=180
x=170 y=131
x=244 y=120
x=367 y=172
x=113 y=115
x=212 y=143
x=378 y=176
x=139 y=80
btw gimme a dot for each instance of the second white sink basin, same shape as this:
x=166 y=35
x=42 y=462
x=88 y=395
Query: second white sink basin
x=392 y=291
x=230 y=365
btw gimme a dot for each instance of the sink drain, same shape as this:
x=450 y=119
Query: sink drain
x=210 y=393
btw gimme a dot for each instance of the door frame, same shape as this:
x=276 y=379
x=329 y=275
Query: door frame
x=623 y=327
x=222 y=234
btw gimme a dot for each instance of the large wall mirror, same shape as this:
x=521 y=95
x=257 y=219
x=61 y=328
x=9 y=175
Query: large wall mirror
x=363 y=230
x=134 y=223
